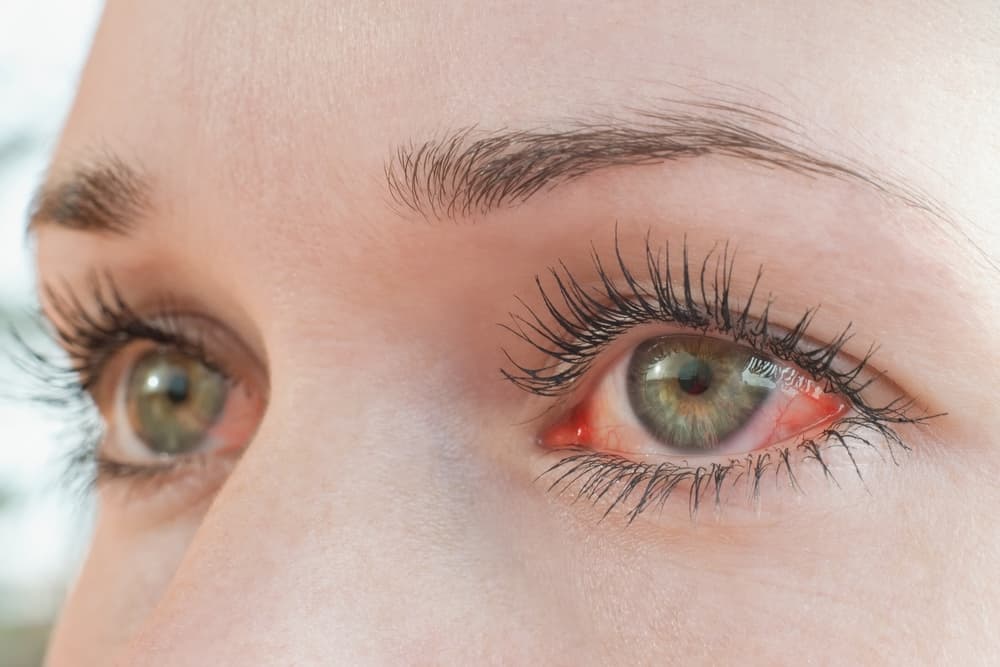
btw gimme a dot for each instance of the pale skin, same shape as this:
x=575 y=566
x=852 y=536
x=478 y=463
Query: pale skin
x=387 y=510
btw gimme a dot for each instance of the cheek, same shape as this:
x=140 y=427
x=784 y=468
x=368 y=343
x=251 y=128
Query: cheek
x=125 y=573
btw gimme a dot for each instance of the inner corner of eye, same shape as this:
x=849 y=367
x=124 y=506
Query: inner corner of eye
x=574 y=429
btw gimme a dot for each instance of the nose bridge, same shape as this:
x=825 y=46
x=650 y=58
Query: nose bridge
x=340 y=514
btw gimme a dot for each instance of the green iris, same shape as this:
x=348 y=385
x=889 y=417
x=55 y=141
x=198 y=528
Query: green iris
x=173 y=400
x=692 y=392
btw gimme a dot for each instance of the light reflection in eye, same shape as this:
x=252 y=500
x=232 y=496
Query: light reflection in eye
x=690 y=395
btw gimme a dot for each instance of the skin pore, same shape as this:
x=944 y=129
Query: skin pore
x=388 y=509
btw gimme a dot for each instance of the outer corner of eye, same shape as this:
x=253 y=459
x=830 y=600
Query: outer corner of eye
x=693 y=395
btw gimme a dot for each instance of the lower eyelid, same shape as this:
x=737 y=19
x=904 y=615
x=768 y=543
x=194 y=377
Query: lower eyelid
x=732 y=488
x=162 y=494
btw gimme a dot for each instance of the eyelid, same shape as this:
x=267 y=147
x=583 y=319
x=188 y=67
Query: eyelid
x=93 y=330
x=203 y=339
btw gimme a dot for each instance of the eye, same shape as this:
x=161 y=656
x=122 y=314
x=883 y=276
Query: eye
x=712 y=386
x=147 y=393
x=167 y=405
x=164 y=405
x=695 y=395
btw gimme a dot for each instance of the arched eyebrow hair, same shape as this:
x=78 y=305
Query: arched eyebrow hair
x=474 y=172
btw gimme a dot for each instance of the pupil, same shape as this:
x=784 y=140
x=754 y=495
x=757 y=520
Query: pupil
x=177 y=388
x=694 y=377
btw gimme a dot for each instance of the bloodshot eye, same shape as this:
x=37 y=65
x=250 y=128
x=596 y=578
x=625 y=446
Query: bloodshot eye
x=689 y=395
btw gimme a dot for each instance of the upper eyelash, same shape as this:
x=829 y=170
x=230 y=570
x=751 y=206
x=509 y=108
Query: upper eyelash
x=92 y=336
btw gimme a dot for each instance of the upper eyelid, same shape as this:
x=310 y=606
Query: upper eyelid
x=184 y=296
x=92 y=341
x=603 y=356
x=92 y=331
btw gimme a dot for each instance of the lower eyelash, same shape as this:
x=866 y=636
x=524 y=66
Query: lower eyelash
x=639 y=486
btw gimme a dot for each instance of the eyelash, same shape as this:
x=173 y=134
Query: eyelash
x=587 y=321
x=90 y=338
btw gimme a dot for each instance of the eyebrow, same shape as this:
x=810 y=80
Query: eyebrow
x=472 y=171
x=105 y=196
x=477 y=172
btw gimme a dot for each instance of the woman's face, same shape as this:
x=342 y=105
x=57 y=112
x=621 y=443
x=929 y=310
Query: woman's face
x=282 y=240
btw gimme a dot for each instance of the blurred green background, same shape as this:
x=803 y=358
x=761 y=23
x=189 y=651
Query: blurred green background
x=43 y=527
